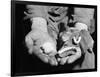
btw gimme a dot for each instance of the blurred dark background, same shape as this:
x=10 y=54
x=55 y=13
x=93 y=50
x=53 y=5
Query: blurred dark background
x=23 y=63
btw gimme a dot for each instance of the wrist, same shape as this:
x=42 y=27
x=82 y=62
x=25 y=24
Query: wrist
x=39 y=23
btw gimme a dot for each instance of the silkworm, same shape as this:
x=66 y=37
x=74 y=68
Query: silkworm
x=77 y=41
x=65 y=49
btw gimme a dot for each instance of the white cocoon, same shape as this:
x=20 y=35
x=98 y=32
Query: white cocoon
x=48 y=47
x=65 y=49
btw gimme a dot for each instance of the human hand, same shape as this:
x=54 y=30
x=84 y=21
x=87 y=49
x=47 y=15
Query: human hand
x=44 y=50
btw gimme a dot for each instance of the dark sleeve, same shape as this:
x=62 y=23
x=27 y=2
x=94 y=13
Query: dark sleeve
x=85 y=15
x=36 y=11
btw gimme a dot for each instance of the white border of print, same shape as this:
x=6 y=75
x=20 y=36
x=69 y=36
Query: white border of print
x=5 y=36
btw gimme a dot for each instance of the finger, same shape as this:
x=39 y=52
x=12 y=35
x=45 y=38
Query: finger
x=72 y=59
x=48 y=59
x=72 y=56
x=43 y=57
x=53 y=61
x=63 y=60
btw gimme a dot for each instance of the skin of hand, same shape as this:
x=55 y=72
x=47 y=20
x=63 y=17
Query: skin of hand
x=40 y=43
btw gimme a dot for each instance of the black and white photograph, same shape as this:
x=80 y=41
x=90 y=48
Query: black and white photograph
x=52 y=38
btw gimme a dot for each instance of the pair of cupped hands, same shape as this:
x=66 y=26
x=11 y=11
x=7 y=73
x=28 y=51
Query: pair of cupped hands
x=46 y=50
x=68 y=53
